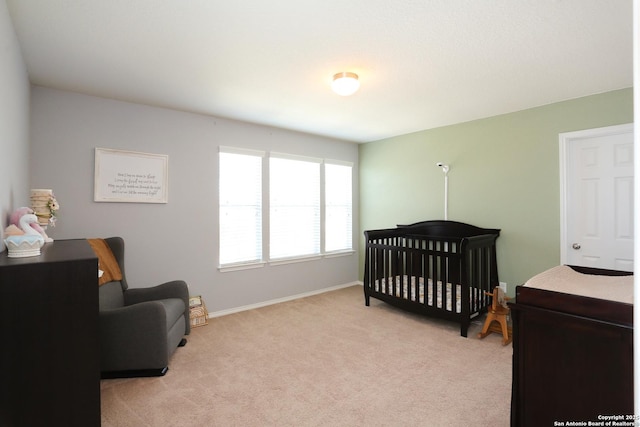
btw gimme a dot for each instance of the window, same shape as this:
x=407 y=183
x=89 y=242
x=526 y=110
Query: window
x=307 y=212
x=338 y=209
x=294 y=197
x=240 y=202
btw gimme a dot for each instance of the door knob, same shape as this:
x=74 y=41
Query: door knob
x=576 y=246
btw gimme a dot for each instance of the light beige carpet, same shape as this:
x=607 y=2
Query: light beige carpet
x=325 y=360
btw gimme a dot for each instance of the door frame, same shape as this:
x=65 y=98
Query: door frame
x=565 y=139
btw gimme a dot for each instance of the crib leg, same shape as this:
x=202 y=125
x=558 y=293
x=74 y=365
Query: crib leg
x=464 y=326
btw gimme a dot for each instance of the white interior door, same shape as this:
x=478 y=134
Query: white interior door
x=597 y=197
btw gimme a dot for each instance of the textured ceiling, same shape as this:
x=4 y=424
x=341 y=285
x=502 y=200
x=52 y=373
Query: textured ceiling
x=422 y=63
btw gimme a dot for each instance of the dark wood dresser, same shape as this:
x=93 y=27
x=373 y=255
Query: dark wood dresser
x=49 y=355
x=572 y=359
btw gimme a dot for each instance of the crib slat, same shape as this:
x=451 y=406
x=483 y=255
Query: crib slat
x=438 y=278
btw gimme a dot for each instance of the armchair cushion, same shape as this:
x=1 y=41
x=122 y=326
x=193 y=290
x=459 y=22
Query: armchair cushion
x=110 y=295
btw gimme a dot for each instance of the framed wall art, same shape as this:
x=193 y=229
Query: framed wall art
x=130 y=176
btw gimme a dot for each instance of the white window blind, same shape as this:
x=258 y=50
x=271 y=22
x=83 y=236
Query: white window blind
x=294 y=214
x=338 y=207
x=240 y=207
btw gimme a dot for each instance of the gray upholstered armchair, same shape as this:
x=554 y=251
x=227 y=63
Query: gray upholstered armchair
x=140 y=328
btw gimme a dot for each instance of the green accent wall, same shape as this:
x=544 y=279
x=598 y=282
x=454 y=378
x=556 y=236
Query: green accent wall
x=504 y=174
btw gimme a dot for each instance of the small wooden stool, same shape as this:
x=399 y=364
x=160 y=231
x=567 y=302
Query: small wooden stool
x=497 y=313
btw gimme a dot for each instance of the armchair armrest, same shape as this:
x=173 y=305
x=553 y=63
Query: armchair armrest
x=173 y=289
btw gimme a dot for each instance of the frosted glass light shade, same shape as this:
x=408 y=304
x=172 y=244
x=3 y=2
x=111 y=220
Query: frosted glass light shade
x=345 y=83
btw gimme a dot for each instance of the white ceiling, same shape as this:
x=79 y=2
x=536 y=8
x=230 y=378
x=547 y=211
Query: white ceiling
x=422 y=63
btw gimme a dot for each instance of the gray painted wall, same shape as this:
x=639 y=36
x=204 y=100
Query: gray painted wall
x=177 y=240
x=14 y=123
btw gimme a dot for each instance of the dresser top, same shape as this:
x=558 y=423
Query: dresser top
x=56 y=251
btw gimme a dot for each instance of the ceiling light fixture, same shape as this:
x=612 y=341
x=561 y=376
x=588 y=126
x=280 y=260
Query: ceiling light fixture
x=345 y=83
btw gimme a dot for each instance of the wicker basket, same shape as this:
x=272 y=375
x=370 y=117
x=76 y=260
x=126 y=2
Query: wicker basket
x=198 y=312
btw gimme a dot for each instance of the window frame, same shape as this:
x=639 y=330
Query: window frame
x=254 y=263
x=267 y=259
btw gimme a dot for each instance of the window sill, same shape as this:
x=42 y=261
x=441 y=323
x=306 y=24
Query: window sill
x=282 y=261
x=241 y=266
x=337 y=254
x=292 y=260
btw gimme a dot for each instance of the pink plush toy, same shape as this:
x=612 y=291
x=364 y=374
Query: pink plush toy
x=14 y=219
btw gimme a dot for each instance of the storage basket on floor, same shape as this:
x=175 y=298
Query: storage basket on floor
x=198 y=314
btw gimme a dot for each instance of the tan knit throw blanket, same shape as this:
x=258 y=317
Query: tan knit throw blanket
x=106 y=261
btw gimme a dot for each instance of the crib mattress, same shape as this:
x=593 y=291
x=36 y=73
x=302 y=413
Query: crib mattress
x=406 y=288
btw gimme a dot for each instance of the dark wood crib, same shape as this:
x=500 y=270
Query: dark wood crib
x=437 y=268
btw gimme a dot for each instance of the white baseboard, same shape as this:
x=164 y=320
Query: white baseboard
x=279 y=300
